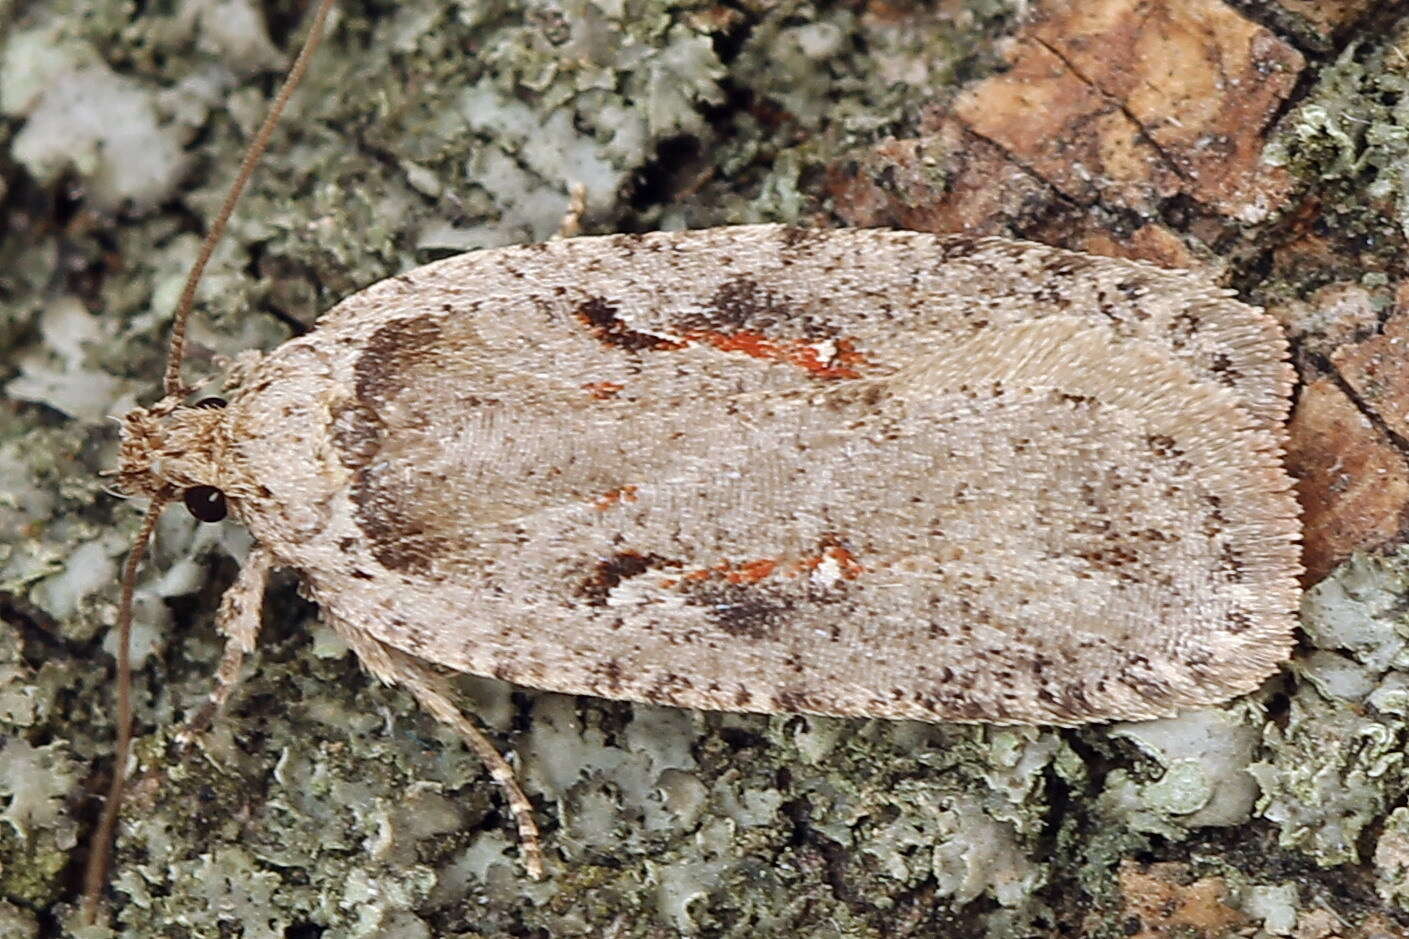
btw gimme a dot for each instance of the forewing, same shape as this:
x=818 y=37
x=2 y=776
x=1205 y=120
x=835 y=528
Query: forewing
x=840 y=302
x=825 y=504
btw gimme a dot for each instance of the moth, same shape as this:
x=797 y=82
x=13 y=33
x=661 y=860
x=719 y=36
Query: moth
x=763 y=468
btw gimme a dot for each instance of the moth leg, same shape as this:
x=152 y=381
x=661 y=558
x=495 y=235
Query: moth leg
x=395 y=667
x=571 y=225
x=238 y=621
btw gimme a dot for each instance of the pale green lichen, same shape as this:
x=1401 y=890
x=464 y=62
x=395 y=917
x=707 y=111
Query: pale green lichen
x=1392 y=859
x=1350 y=138
x=17 y=923
x=93 y=122
x=1274 y=906
x=1203 y=780
x=37 y=830
x=1336 y=764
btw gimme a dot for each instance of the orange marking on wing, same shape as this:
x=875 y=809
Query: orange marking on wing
x=751 y=572
x=760 y=569
x=602 y=390
x=850 y=567
x=793 y=352
x=612 y=496
x=705 y=573
x=745 y=572
x=843 y=364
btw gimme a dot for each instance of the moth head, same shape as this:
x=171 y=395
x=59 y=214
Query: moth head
x=172 y=450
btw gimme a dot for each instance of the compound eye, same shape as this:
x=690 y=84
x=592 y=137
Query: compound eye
x=206 y=503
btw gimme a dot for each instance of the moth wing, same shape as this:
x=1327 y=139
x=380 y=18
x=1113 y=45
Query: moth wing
x=884 y=296
x=1039 y=521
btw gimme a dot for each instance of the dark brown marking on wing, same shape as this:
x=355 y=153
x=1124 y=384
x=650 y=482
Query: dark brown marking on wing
x=603 y=319
x=608 y=574
x=958 y=247
x=741 y=303
x=797 y=240
x=390 y=357
x=667 y=688
x=611 y=676
x=742 y=318
x=394 y=526
x=745 y=611
x=356 y=431
x=802 y=700
x=1065 y=698
x=396 y=533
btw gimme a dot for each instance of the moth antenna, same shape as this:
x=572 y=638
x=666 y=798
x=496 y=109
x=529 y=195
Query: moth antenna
x=177 y=349
x=100 y=847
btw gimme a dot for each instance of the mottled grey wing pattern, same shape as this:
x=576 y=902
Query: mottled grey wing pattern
x=871 y=473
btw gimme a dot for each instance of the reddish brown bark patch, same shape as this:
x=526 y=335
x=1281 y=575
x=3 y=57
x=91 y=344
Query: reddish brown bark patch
x=1115 y=105
x=1352 y=483
x=1377 y=370
x=951 y=180
x=1202 y=84
x=1323 y=20
x=1165 y=899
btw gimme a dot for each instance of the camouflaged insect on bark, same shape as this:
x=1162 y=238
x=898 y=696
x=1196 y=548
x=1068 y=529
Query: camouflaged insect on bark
x=766 y=469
